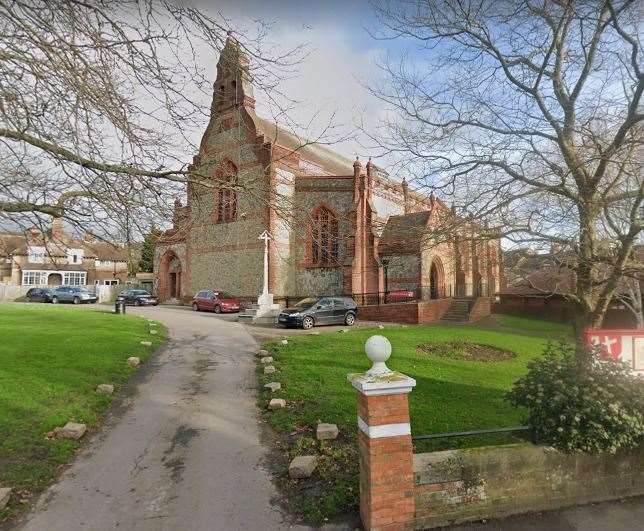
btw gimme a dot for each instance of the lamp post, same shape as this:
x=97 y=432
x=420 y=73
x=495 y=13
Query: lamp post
x=385 y=266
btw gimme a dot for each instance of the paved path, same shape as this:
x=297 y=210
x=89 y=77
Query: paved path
x=184 y=454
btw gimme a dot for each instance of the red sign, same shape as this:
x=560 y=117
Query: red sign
x=609 y=341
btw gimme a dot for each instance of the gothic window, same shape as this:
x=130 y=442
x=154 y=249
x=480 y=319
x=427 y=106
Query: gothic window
x=226 y=196
x=324 y=237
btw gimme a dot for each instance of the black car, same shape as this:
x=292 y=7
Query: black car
x=320 y=311
x=39 y=295
x=137 y=297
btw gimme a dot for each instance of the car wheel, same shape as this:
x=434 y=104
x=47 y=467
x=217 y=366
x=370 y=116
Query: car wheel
x=195 y=307
x=29 y=299
x=349 y=319
x=137 y=302
x=217 y=309
x=76 y=300
x=54 y=300
x=307 y=323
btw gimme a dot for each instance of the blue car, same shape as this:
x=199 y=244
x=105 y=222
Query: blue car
x=73 y=294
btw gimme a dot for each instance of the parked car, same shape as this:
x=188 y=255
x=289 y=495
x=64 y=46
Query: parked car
x=215 y=301
x=39 y=295
x=400 y=295
x=137 y=297
x=320 y=311
x=75 y=294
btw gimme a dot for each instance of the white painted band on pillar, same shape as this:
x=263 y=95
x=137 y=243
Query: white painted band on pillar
x=384 y=430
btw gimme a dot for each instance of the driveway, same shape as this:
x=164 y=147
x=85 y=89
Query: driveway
x=183 y=452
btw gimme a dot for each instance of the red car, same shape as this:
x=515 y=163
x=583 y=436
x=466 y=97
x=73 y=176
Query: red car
x=400 y=295
x=215 y=301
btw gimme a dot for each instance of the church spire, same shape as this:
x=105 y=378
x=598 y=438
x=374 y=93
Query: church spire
x=233 y=86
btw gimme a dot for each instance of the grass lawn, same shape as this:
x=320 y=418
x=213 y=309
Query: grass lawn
x=450 y=394
x=51 y=360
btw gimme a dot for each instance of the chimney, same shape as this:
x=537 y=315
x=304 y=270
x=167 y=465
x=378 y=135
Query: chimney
x=357 y=170
x=57 y=231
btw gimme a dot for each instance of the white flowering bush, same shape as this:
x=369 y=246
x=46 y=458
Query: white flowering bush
x=581 y=402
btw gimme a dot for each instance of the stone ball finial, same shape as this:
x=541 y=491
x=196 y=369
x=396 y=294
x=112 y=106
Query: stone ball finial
x=378 y=350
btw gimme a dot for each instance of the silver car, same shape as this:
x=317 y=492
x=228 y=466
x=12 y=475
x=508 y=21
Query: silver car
x=74 y=294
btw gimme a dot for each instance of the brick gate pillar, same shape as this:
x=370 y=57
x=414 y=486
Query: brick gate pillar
x=384 y=442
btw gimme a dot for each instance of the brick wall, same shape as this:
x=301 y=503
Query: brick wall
x=470 y=484
x=481 y=308
x=406 y=312
x=433 y=311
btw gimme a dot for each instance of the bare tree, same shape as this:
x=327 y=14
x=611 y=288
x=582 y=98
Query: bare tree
x=102 y=103
x=527 y=113
x=629 y=293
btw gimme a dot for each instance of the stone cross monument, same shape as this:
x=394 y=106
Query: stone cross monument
x=265 y=300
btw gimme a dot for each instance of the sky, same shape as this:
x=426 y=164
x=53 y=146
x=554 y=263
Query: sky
x=341 y=61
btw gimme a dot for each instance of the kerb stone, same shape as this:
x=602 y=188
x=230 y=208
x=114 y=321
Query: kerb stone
x=71 y=430
x=133 y=361
x=326 y=432
x=5 y=494
x=302 y=466
x=267 y=359
x=273 y=386
x=277 y=403
x=105 y=389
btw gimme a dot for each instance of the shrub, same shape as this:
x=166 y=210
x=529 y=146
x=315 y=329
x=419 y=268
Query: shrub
x=580 y=402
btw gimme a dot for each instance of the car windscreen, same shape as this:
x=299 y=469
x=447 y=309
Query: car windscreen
x=224 y=295
x=305 y=303
x=139 y=292
x=80 y=290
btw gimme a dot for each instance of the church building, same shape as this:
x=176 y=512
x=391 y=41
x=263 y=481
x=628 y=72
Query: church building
x=338 y=226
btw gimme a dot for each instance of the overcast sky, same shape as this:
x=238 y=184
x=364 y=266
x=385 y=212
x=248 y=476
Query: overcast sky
x=341 y=58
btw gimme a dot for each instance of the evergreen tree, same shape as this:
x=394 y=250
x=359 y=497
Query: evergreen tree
x=146 y=262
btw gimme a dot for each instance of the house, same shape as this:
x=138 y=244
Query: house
x=338 y=226
x=59 y=258
x=538 y=285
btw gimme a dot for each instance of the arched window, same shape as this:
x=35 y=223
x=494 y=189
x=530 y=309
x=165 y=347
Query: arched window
x=324 y=237
x=226 y=196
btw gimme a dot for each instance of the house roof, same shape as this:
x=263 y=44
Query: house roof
x=404 y=234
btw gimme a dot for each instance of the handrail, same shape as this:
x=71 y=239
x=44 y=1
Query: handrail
x=469 y=433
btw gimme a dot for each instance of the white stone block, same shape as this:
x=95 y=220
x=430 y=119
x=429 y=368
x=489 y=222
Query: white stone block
x=133 y=361
x=71 y=430
x=302 y=466
x=269 y=369
x=326 y=432
x=277 y=403
x=262 y=353
x=267 y=359
x=382 y=327
x=105 y=389
x=5 y=494
x=146 y=343
x=284 y=341
x=273 y=386
x=153 y=332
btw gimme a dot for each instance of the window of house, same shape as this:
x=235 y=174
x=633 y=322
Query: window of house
x=324 y=238
x=74 y=278
x=75 y=256
x=111 y=282
x=34 y=278
x=226 y=197
x=36 y=255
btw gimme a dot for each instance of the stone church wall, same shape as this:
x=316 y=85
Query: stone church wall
x=229 y=256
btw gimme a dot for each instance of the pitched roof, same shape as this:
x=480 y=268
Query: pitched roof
x=322 y=155
x=404 y=234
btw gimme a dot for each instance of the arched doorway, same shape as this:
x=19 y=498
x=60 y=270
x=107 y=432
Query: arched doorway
x=170 y=276
x=436 y=279
x=54 y=279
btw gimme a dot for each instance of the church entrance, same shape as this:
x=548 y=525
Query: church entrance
x=436 y=279
x=170 y=270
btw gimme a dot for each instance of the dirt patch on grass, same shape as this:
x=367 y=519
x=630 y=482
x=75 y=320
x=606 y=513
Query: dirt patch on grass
x=467 y=351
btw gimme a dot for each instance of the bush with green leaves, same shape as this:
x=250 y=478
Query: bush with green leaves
x=581 y=402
